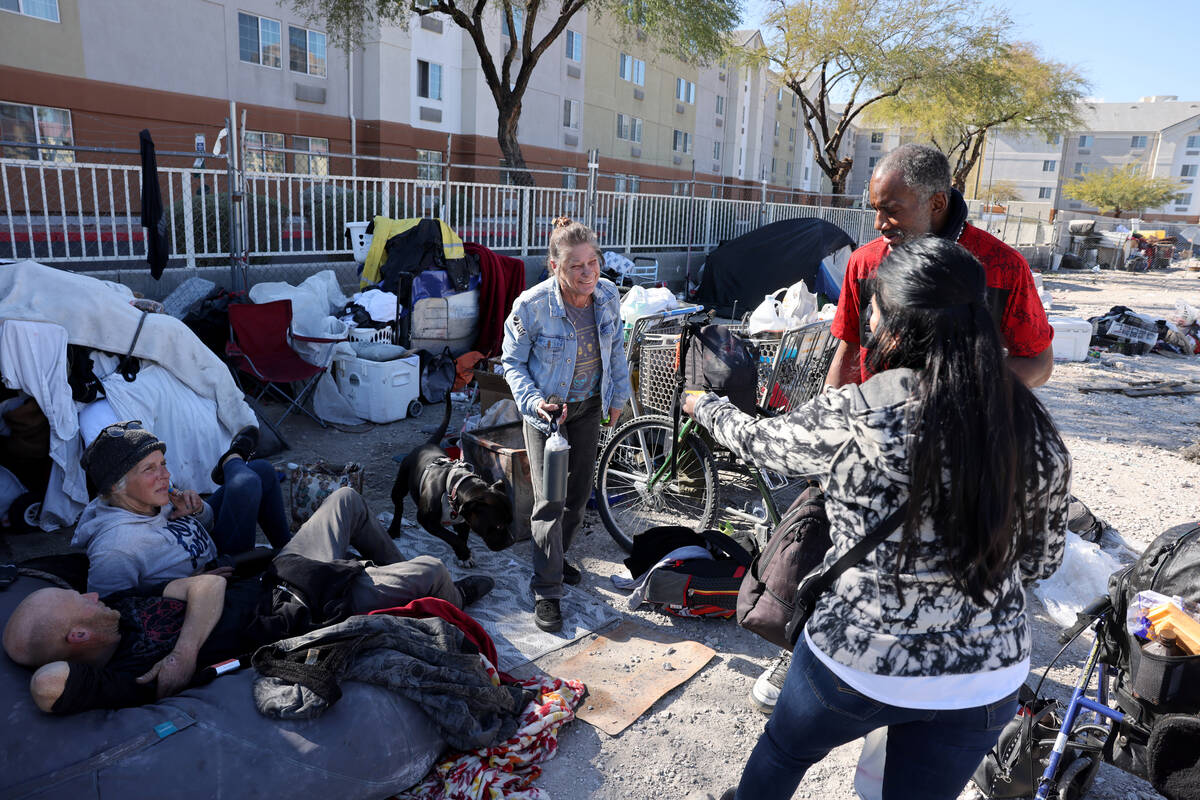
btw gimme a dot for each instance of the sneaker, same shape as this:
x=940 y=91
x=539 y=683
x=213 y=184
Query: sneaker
x=764 y=694
x=243 y=444
x=571 y=574
x=473 y=588
x=547 y=615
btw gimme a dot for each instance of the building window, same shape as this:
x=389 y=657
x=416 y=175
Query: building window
x=518 y=15
x=776 y=129
x=635 y=184
x=263 y=152
x=429 y=80
x=1137 y=142
x=685 y=91
x=1054 y=139
x=632 y=69
x=721 y=104
x=872 y=161
x=681 y=142
x=1044 y=192
x=789 y=170
x=1049 y=165
x=571 y=114
x=741 y=157
x=791 y=135
x=1189 y=170
x=877 y=137
x=570 y=180
x=306 y=51
x=618 y=183
x=313 y=164
x=574 y=46
x=429 y=166
x=1183 y=199
x=36 y=125
x=806 y=173
x=1086 y=140
x=716 y=151
x=42 y=9
x=629 y=128
x=258 y=40
x=1193 y=141
x=779 y=95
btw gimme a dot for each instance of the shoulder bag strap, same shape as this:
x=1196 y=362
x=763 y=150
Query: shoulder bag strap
x=813 y=587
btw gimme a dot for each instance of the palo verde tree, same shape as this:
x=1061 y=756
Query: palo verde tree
x=840 y=57
x=692 y=30
x=1006 y=87
x=1121 y=189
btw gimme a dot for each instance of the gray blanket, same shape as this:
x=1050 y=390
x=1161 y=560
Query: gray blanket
x=428 y=661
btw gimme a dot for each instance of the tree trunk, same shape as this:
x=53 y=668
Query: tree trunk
x=966 y=164
x=506 y=134
x=837 y=178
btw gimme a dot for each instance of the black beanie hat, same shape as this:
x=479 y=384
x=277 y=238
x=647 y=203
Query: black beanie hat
x=114 y=452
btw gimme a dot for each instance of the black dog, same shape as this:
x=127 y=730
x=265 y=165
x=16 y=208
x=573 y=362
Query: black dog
x=438 y=485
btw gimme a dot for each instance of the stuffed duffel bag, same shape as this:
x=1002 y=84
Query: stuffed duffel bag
x=725 y=363
x=700 y=587
x=798 y=544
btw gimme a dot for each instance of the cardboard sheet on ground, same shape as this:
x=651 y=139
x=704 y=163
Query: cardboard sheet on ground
x=507 y=612
x=626 y=670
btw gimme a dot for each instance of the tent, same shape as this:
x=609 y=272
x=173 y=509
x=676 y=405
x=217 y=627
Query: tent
x=773 y=257
x=182 y=392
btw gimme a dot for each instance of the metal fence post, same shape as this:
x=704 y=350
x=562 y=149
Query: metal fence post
x=708 y=219
x=447 y=210
x=189 y=230
x=762 y=203
x=593 y=169
x=629 y=222
x=525 y=222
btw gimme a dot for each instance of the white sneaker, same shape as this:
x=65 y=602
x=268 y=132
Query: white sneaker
x=765 y=692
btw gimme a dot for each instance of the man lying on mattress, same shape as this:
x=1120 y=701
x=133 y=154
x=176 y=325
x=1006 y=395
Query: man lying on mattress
x=140 y=645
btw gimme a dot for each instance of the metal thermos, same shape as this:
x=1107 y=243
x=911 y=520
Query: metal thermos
x=556 y=462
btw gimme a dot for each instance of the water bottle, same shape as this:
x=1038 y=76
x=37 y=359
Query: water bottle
x=556 y=461
x=1157 y=677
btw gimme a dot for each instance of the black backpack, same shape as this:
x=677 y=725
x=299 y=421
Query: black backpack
x=725 y=363
x=699 y=587
x=438 y=373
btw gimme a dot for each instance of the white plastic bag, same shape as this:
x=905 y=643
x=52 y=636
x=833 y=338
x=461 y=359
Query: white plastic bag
x=799 y=305
x=640 y=301
x=768 y=317
x=1185 y=313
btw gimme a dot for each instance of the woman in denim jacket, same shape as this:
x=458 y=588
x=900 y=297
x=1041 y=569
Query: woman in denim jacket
x=564 y=357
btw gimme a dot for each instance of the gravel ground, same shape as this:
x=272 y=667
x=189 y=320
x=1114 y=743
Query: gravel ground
x=1128 y=469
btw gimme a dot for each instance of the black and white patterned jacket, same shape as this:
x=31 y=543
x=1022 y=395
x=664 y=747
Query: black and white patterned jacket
x=854 y=440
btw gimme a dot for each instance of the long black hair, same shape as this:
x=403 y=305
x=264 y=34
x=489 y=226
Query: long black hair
x=974 y=454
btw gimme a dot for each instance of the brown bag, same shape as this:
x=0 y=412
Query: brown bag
x=797 y=546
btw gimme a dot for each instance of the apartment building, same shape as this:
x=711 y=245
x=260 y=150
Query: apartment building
x=1158 y=136
x=94 y=74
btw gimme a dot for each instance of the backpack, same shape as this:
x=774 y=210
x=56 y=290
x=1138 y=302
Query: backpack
x=797 y=546
x=438 y=373
x=723 y=362
x=1169 y=566
x=699 y=587
x=1012 y=768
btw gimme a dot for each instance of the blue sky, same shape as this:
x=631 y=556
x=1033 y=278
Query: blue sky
x=1126 y=49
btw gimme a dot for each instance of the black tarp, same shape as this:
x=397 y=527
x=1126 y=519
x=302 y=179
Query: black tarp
x=768 y=259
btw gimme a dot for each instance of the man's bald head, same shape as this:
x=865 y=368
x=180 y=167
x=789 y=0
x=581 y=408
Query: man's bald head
x=60 y=625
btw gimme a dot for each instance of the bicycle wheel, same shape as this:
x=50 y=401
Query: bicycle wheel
x=630 y=502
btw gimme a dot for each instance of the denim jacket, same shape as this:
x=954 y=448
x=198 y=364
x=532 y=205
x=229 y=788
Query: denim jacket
x=539 y=348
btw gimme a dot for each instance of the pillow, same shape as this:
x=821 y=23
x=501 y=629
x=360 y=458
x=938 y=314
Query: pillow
x=209 y=742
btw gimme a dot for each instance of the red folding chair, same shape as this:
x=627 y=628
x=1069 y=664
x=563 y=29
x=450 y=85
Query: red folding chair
x=260 y=336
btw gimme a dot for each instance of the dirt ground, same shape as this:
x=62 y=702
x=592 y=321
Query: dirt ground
x=1127 y=469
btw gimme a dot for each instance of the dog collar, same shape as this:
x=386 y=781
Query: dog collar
x=452 y=490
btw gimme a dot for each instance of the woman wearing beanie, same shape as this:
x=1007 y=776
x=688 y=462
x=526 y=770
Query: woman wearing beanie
x=139 y=531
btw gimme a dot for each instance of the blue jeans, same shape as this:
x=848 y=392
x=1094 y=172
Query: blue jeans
x=251 y=494
x=930 y=754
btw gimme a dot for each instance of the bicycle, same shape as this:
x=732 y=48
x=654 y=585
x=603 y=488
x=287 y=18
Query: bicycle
x=659 y=470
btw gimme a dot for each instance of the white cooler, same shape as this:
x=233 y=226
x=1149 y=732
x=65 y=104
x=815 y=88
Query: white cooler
x=380 y=391
x=1071 y=338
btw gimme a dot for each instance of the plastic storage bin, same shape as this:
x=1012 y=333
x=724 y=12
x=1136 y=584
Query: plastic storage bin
x=1071 y=338
x=380 y=391
x=356 y=334
x=451 y=321
x=498 y=454
x=360 y=240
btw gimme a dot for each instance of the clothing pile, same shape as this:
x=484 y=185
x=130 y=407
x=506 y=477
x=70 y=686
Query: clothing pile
x=507 y=771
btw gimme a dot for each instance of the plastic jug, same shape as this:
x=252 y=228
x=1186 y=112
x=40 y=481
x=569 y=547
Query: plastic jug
x=555 y=464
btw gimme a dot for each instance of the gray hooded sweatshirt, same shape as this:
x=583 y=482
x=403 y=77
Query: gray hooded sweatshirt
x=130 y=551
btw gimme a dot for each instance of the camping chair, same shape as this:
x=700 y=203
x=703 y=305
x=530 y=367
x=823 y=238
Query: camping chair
x=259 y=345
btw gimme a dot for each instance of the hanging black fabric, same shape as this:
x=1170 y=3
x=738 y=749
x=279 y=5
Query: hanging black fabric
x=154 y=219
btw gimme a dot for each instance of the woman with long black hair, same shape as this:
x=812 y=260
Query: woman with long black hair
x=927 y=635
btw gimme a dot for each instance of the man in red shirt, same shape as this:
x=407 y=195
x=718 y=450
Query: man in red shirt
x=911 y=194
